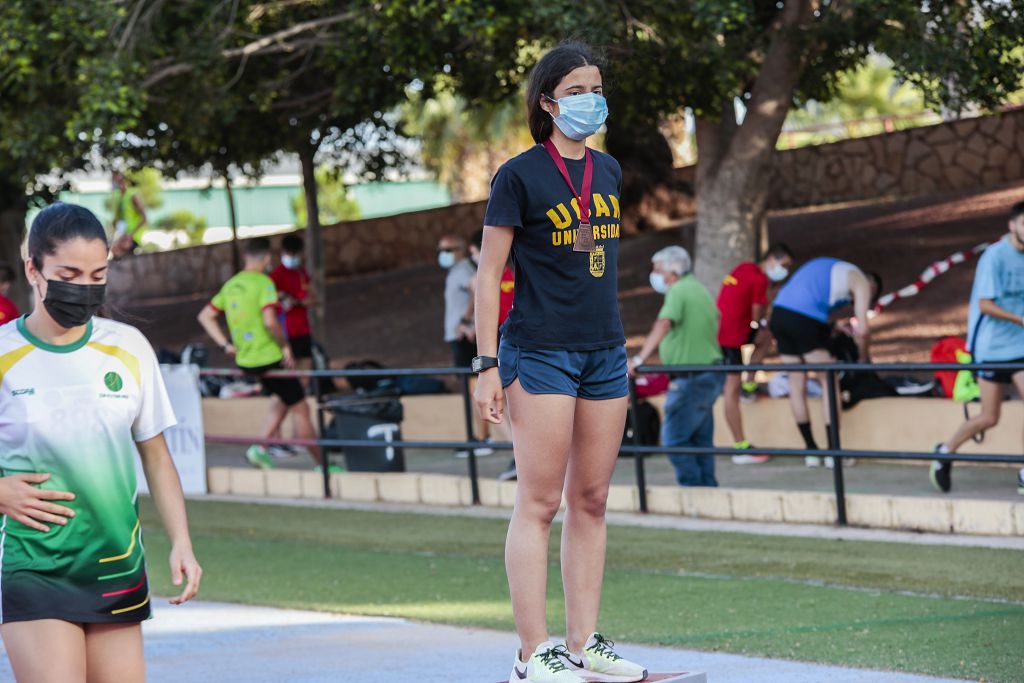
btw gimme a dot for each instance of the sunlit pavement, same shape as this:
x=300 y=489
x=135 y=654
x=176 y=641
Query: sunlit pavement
x=206 y=642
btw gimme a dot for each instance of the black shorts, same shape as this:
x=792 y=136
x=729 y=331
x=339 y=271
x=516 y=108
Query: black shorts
x=463 y=352
x=798 y=334
x=1000 y=376
x=288 y=389
x=302 y=347
x=732 y=355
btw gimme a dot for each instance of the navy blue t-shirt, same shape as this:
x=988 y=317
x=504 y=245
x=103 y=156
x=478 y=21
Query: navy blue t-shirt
x=565 y=299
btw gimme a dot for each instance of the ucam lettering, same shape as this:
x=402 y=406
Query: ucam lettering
x=610 y=231
x=561 y=218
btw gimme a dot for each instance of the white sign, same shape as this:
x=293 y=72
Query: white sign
x=185 y=440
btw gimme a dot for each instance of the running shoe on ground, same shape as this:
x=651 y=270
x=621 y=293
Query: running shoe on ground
x=812 y=461
x=941 y=473
x=330 y=468
x=280 y=452
x=510 y=474
x=546 y=665
x=600 y=662
x=748 y=459
x=1020 y=482
x=258 y=457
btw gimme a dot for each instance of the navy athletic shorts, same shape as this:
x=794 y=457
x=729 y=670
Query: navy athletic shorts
x=593 y=375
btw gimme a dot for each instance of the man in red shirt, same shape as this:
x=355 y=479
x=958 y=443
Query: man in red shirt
x=294 y=296
x=8 y=311
x=742 y=303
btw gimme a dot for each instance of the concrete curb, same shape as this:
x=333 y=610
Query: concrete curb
x=907 y=513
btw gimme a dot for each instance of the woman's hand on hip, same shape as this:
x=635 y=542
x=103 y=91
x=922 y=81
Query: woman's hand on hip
x=489 y=396
x=23 y=502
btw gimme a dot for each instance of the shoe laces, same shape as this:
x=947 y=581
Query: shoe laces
x=603 y=646
x=552 y=658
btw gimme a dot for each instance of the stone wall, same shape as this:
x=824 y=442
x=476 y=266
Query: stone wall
x=947 y=157
x=351 y=248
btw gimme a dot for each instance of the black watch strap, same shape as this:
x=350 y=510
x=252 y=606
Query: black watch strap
x=481 y=363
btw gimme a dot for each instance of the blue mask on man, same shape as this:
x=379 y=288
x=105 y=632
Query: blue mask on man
x=580 y=116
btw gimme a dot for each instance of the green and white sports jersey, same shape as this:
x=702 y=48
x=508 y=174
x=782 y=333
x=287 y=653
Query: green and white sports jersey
x=74 y=412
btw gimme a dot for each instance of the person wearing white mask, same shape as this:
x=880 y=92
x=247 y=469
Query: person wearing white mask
x=685 y=334
x=742 y=304
x=560 y=366
x=295 y=297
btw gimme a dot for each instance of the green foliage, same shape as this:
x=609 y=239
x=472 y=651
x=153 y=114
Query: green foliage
x=147 y=182
x=868 y=100
x=63 y=88
x=452 y=134
x=184 y=222
x=335 y=204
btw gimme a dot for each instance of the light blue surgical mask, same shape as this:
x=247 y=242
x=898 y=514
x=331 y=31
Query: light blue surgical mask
x=658 y=283
x=291 y=261
x=580 y=116
x=777 y=272
x=445 y=258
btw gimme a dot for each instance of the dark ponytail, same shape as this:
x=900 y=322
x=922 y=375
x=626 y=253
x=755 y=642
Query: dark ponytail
x=545 y=77
x=58 y=223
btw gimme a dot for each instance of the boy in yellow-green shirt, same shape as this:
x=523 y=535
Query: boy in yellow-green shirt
x=249 y=302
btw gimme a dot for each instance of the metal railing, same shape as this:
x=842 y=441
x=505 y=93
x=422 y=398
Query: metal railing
x=640 y=452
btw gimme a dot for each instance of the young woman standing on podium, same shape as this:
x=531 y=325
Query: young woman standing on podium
x=560 y=371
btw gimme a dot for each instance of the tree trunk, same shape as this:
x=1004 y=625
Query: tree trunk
x=12 y=234
x=314 y=242
x=734 y=160
x=729 y=216
x=236 y=256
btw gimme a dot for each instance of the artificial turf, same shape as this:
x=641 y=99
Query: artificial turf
x=940 y=610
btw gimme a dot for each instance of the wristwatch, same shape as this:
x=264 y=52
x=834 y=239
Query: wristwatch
x=481 y=363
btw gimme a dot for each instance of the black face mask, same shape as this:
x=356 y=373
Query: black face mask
x=72 y=305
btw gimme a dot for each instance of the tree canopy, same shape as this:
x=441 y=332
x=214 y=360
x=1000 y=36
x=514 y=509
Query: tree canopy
x=230 y=83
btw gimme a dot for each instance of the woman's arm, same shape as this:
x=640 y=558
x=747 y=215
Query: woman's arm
x=165 y=487
x=489 y=395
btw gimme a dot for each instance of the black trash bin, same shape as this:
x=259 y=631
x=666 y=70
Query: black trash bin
x=368 y=416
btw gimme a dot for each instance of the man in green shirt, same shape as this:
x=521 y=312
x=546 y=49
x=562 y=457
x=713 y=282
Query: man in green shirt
x=249 y=302
x=129 y=217
x=685 y=333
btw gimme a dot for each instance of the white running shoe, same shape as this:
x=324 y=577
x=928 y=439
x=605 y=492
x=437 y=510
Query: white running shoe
x=546 y=665
x=600 y=662
x=812 y=461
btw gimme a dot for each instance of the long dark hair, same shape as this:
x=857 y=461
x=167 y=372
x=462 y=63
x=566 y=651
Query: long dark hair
x=58 y=223
x=546 y=76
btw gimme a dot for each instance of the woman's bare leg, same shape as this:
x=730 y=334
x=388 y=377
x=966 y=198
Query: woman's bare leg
x=114 y=653
x=46 y=651
x=596 y=436
x=542 y=427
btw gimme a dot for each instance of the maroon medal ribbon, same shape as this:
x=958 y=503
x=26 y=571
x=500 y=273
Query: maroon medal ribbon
x=584 y=233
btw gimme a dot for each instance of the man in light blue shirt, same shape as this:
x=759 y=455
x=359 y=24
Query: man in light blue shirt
x=995 y=334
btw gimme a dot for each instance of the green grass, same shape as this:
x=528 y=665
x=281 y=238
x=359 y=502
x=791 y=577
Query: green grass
x=927 y=609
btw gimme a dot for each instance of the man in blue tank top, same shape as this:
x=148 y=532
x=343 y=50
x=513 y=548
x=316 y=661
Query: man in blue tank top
x=800 y=324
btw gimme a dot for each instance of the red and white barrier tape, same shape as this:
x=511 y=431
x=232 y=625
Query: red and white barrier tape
x=930 y=273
